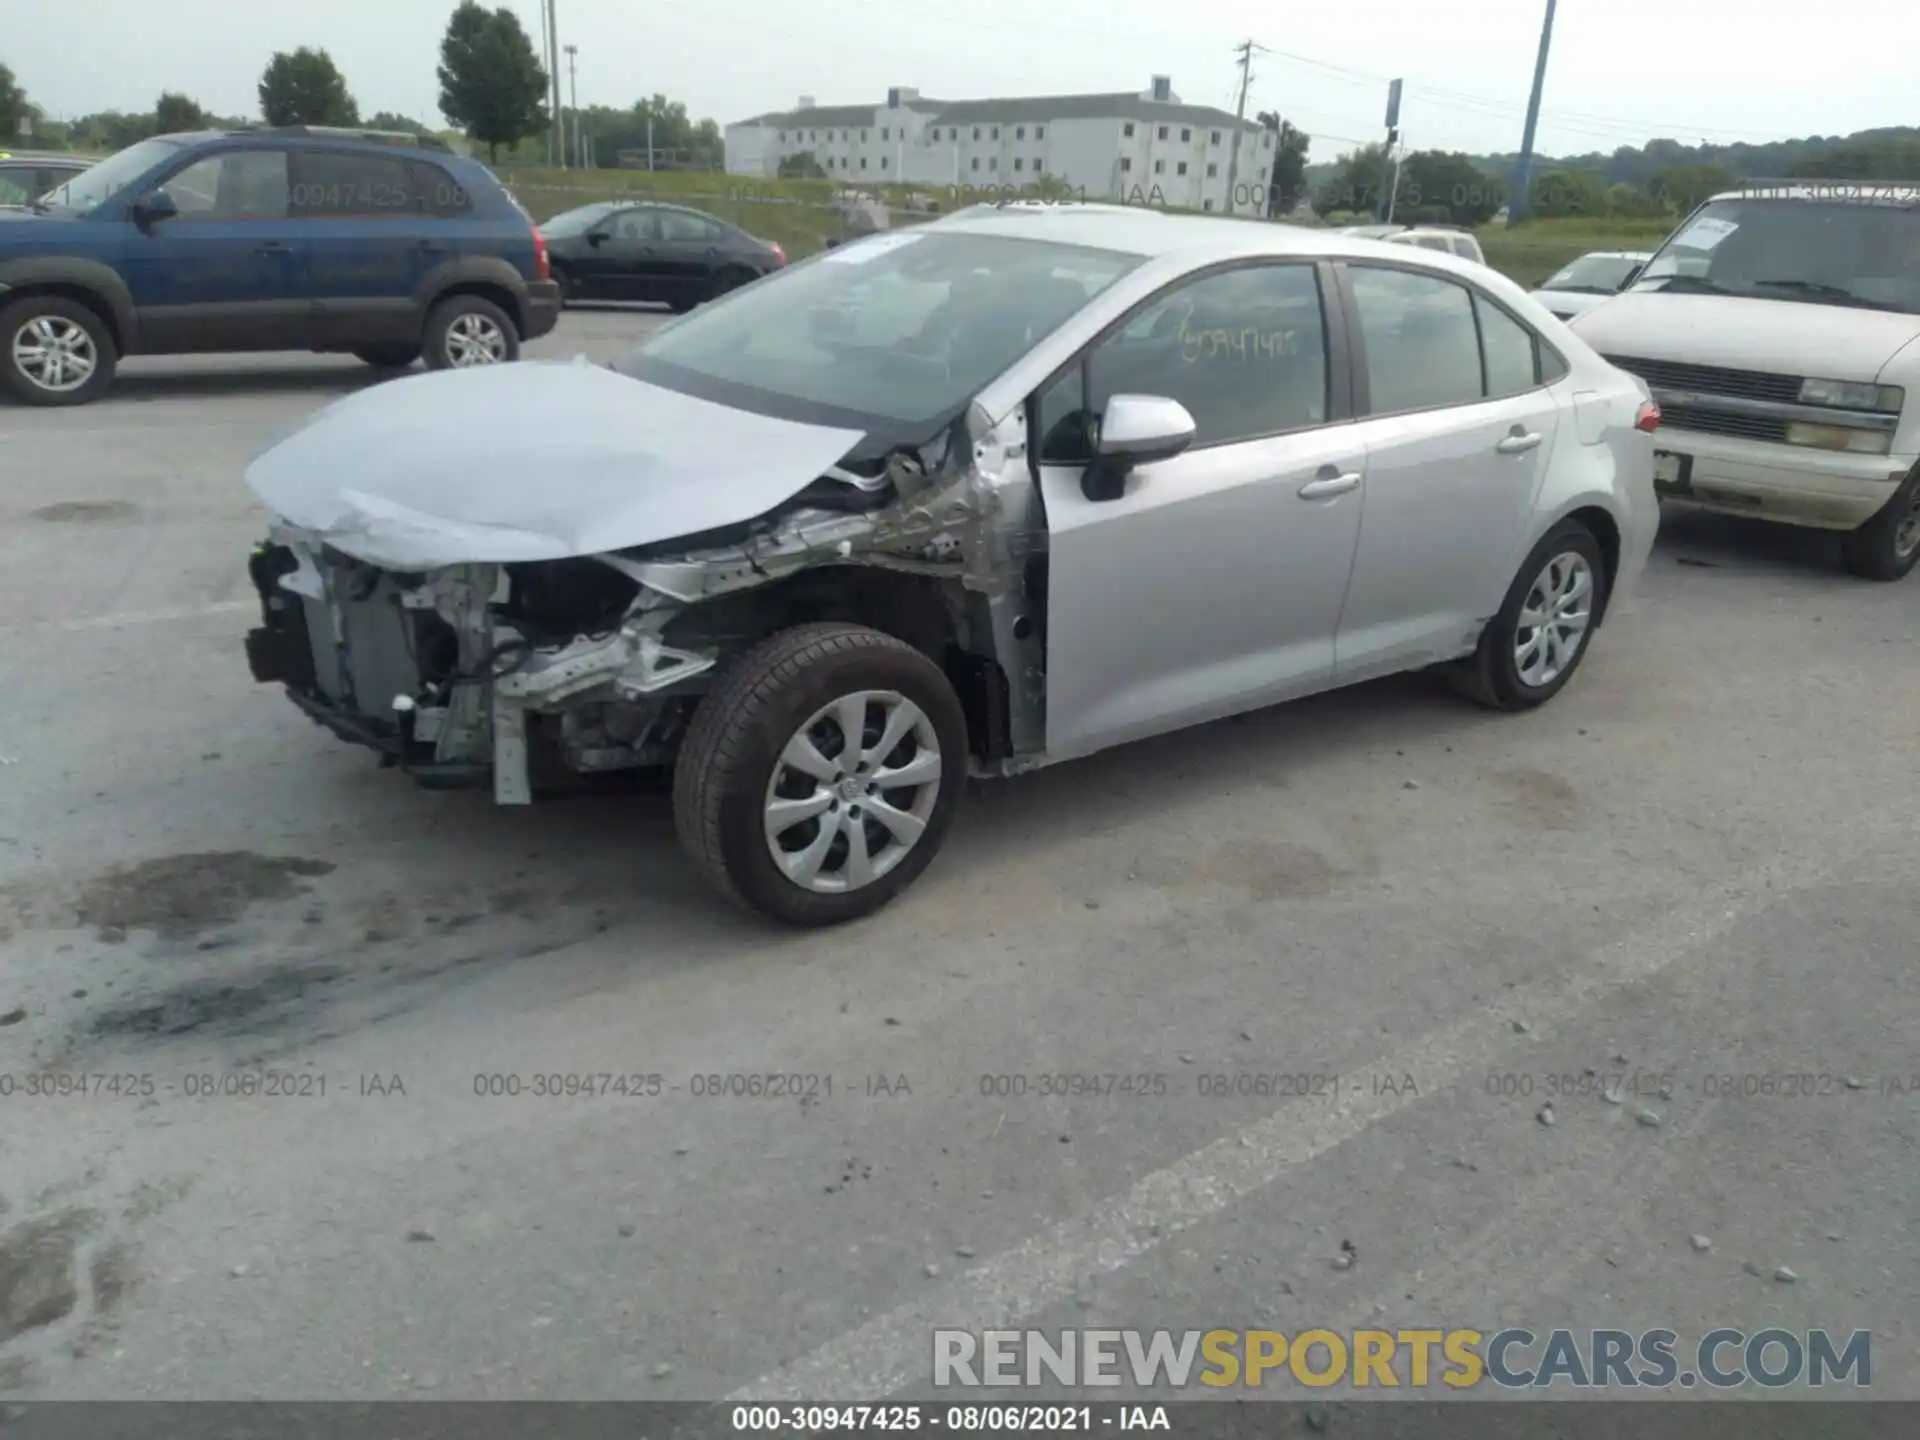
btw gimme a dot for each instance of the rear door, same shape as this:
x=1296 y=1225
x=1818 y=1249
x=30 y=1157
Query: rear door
x=365 y=219
x=229 y=272
x=1460 y=423
x=691 y=252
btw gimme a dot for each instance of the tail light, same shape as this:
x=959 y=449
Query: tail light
x=1647 y=419
x=778 y=253
x=541 y=269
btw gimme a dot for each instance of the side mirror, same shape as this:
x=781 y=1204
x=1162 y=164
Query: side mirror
x=1134 y=430
x=598 y=237
x=154 y=206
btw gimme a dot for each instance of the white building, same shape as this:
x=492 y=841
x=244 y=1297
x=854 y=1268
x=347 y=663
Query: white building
x=1144 y=149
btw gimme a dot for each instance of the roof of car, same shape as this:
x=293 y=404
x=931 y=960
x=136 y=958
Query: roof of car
x=1139 y=231
x=329 y=134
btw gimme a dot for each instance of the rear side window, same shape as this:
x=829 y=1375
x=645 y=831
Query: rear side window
x=16 y=186
x=1423 y=347
x=440 y=194
x=1510 y=350
x=339 y=185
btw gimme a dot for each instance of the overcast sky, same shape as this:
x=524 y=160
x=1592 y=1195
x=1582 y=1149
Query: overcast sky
x=1622 y=71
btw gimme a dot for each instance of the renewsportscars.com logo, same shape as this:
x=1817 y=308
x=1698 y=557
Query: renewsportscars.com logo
x=1721 y=1359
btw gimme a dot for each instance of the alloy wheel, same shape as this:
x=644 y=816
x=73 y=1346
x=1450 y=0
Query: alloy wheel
x=474 y=339
x=1553 y=620
x=55 y=353
x=853 y=791
x=1906 y=538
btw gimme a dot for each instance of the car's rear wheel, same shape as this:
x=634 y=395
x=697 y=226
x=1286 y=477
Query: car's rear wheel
x=1531 y=648
x=468 y=330
x=731 y=279
x=822 y=775
x=55 y=351
x=1887 y=546
x=388 y=357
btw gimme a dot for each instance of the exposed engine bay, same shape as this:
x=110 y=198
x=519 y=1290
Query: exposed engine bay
x=533 y=674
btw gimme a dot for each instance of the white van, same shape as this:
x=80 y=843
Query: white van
x=1777 y=329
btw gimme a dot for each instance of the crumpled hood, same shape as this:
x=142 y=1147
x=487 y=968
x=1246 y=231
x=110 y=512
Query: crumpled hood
x=1786 y=337
x=531 y=461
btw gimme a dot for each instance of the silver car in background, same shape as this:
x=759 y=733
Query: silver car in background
x=959 y=500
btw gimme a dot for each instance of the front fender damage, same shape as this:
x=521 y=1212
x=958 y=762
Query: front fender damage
x=965 y=516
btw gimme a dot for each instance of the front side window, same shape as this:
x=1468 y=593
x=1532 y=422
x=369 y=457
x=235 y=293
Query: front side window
x=892 y=332
x=233 y=185
x=1244 y=350
x=1422 y=344
x=640 y=225
x=1863 y=253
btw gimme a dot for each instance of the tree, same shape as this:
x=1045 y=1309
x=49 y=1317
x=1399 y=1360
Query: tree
x=1447 y=187
x=1681 y=187
x=389 y=120
x=13 y=106
x=1288 y=182
x=305 y=88
x=802 y=166
x=1563 y=194
x=1359 y=184
x=492 y=85
x=174 y=112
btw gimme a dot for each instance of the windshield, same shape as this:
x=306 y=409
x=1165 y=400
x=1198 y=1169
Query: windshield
x=896 y=330
x=98 y=184
x=1793 y=249
x=1595 y=274
x=575 y=222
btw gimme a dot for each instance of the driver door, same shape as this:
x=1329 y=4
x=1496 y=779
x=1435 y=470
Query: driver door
x=1214 y=583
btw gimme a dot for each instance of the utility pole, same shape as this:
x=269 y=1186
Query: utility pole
x=573 y=85
x=553 y=49
x=1383 y=210
x=1245 y=51
x=1523 y=168
x=1393 y=189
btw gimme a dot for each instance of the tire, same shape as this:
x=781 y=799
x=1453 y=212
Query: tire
x=731 y=761
x=388 y=357
x=1493 y=675
x=28 y=324
x=1888 y=545
x=464 y=325
x=730 y=279
x=565 y=281
x=681 y=304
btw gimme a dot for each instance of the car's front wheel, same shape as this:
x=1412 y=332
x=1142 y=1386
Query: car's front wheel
x=56 y=351
x=1887 y=546
x=468 y=330
x=388 y=357
x=1531 y=648
x=822 y=775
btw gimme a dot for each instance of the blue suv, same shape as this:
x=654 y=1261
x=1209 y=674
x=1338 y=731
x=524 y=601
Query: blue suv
x=291 y=238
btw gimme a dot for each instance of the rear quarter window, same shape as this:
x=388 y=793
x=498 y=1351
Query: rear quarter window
x=442 y=196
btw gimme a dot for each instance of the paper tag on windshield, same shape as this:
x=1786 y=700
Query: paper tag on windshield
x=871 y=248
x=1706 y=233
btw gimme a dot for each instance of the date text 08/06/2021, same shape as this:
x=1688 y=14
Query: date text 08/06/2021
x=817 y=1419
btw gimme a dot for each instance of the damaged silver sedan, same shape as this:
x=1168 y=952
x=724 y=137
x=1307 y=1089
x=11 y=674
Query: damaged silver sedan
x=962 y=500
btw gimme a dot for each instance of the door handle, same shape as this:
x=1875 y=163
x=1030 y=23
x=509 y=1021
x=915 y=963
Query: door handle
x=274 y=247
x=1327 y=486
x=1518 y=443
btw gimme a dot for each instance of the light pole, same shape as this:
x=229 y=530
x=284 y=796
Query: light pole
x=559 y=141
x=1523 y=168
x=573 y=85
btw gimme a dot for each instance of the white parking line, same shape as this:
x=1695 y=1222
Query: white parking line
x=894 y=1351
x=131 y=617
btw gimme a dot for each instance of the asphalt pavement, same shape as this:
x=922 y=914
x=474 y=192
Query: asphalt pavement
x=1335 y=989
